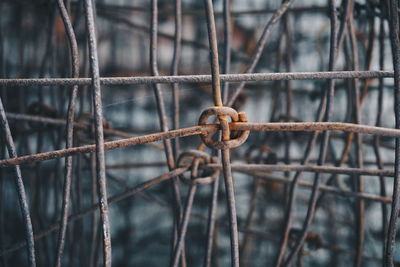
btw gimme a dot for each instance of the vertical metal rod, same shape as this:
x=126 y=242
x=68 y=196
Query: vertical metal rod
x=288 y=85
x=212 y=39
x=325 y=136
x=325 y=102
x=98 y=116
x=3 y=152
x=227 y=46
x=349 y=139
x=395 y=208
x=162 y=114
x=157 y=90
x=46 y=191
x=3 y=97
x=183 y=227
x=230 y=193
x=23 y=201
x=95 y=215
x=289 y=211
x=246 y=239
x=175 y=67
x=69 y=130
x=229 y=187
x=360 y=206
x=382 y=181
x=212 y=217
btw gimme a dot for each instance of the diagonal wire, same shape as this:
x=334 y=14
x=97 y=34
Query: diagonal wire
x=23 y=201
x=260 y=47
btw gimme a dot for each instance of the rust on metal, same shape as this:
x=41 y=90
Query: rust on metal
x=288 y=107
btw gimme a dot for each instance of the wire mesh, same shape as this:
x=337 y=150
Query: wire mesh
x=188 y=133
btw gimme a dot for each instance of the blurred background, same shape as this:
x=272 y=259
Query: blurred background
x=33 y=44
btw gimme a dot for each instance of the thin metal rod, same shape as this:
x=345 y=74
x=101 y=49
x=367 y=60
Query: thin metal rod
x=79 y=125
x=325 y=188
x=184 y=225
x=226 y=168
x=325 y=138
x=360 y=205
x=230 y=194
x=379 y=161
x=162 y=115
x=227 y=46
x=203 y=130
x=189 y=12
x=305 y=168
x=114 y=132
x=260 y=47
x=98 y=118
x=246 y=77
x=321 y=114
x=252 y=126
x=69 y=130
x=23 y=201
x=211 y=223
x=175 y=68
x=212 y=38
x=157 y=90
x=395 y=209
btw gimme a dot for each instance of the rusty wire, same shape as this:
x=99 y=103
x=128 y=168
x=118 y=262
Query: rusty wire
x=88 y=137
x=69 y=129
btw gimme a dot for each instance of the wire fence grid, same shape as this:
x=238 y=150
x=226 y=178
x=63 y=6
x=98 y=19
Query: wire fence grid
x=271 y=130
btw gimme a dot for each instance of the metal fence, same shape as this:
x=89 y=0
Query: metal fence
x=240 y=193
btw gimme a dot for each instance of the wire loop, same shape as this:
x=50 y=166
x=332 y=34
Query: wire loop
x=196 y=158
x=238 y=137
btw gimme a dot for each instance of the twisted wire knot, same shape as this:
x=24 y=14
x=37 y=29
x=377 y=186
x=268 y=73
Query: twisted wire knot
x=196 y=158
x=239 y=137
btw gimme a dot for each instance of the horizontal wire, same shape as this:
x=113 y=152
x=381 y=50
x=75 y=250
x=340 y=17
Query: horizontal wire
x=247 y=77
x=200 y=13
x=325 y=188
x=305 y=168
x=166 y=176
x=204 y=130
x=79 y=125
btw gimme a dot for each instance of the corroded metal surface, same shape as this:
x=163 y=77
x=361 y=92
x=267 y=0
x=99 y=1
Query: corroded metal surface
x=67 y=118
